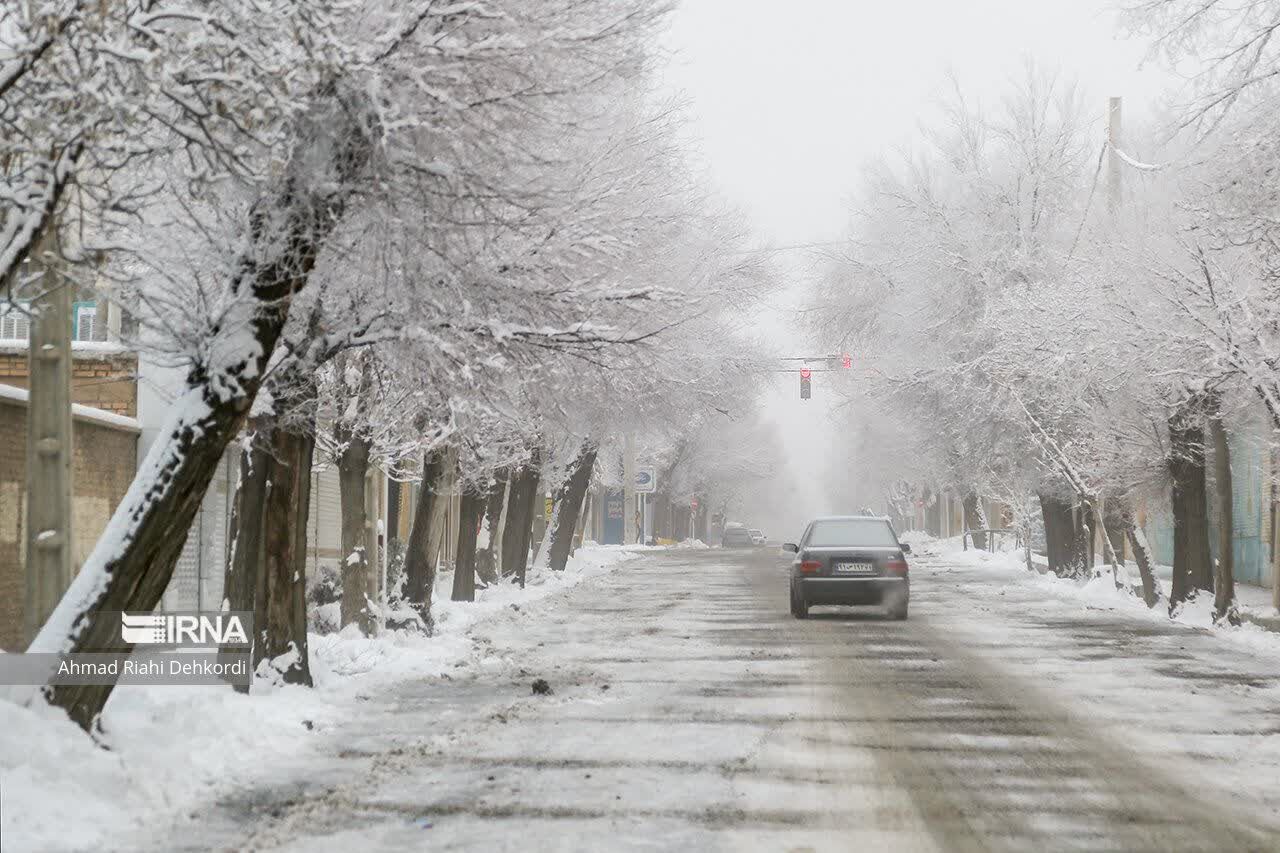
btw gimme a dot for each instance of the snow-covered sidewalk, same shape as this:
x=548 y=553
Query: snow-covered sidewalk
x=1101 y=592
x=166 y=749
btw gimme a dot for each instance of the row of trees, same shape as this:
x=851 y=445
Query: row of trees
x=1047 y=318
x=456 y=241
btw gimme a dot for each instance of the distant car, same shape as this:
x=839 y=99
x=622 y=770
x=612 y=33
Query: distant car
x=849 y=560
x=757 y=538
x=735 y=536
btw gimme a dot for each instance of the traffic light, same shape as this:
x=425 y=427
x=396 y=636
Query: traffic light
x=804 y=383
x=847 y=361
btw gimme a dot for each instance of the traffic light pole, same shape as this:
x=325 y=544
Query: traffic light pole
x=806 y=372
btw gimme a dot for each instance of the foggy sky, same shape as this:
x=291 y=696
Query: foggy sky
x=789 y=100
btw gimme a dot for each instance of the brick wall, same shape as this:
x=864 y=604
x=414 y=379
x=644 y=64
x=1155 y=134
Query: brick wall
x=104 y=459
x=104 y=380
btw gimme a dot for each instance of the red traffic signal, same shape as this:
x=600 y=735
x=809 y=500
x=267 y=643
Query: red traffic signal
x=804 y=373
x=848 y=361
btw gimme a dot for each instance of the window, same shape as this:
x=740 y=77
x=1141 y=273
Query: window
x=852 y=531
x=15 y=324
x=85 y=320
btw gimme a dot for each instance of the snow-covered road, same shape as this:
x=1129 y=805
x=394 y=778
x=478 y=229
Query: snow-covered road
x=691 y=712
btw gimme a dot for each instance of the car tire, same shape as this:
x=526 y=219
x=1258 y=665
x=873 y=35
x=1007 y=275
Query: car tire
x=898 y=613
x=799 y=608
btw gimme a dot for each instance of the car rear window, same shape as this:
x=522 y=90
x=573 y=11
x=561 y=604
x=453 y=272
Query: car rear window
x=852 y=531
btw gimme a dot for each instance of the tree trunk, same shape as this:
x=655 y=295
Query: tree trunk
x=1113 y=525
x=353 y=473
x=538 y=542
x=1080 y=565
x=1192 y=567
x=419 y=565
x=393 y=511
x=470 y=515
x=1275 y=545
x=487 y=560
x=515 y=542
x=973 y=520
x=662 y=514
x=442 y=488
x=242 y=580
x=532 y=505
x=569 y=505
x=1224 y=604
x=1109 y=552
x=1058 y=533
x=584 y=513
x=284 y=565
x=1089 y=518
x=358 y=542
x=933 y=515
x=1065 y=535
x=131 y=566
x=1142 y=556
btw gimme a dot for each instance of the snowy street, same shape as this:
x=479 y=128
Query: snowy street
x=639 y=425
x=691 y=712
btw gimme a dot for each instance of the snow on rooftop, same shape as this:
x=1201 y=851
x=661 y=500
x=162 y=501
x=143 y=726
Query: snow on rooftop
x=85 y=349
x=78 y=410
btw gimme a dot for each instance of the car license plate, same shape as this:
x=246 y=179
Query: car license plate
x=855 y=568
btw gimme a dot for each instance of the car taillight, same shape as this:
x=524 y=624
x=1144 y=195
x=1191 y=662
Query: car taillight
x=896 y=567
x=810 y=566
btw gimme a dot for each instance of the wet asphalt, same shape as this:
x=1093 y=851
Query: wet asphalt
x=691 y=712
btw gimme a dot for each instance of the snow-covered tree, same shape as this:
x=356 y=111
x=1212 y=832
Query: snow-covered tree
x=393 y=95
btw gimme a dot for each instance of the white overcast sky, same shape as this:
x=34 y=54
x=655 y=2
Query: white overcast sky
x=789 y=98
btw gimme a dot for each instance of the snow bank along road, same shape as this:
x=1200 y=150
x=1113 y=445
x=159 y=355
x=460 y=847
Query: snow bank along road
x=691 y=712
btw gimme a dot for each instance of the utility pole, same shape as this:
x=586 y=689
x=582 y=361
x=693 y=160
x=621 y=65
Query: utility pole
x=48 y=533
x=629 y=487
x=1113 y=155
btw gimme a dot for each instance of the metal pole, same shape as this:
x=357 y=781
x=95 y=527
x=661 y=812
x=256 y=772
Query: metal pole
x=48 y=534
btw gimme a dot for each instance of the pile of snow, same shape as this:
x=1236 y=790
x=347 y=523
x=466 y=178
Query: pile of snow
x=637 y=547
x=1098 y=592
x=165 y=749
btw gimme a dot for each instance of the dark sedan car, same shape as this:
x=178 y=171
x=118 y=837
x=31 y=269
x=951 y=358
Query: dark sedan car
x=849 y=560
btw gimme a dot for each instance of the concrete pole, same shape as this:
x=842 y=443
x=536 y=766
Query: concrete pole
x=628 y=488
x=1113 y=158
x=48 y=533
